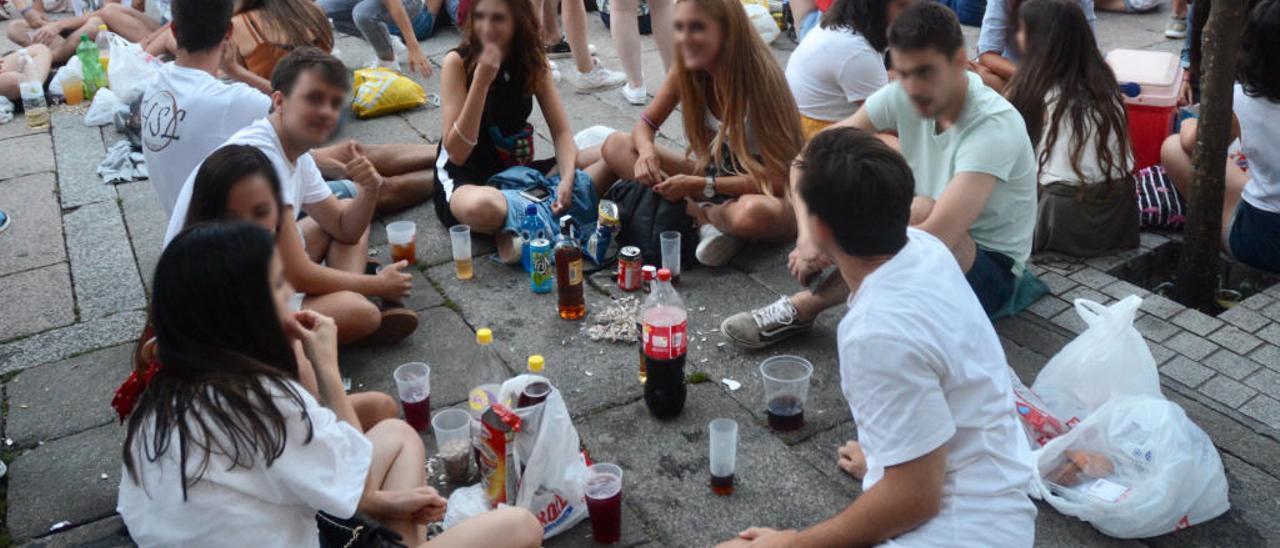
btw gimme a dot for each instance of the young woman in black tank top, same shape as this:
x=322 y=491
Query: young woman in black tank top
x=487 y=89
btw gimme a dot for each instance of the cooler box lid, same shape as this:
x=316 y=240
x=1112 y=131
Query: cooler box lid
x=1156 y=73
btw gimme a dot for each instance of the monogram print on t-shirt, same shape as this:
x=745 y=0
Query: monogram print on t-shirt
x=161 y=118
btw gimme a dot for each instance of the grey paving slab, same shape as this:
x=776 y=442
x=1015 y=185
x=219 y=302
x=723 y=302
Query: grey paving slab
x=1161 y=306
x=1245 y=319
x=1231 y=364
x=1258 y=301
x=1191 y=346
x=442 y=340
x=1031 y=334
x=1154 y=328
x=34 y=236
x=756 y=257
x=1058 y=284
x=57 y=344
x=1196 y=322
x=1268 y=355
x=1160 y=353
x=146 y=221
x=667 y=478
x=1270 y=333
x=1122 y=289
x=71 y=465
x=1186 y=371
x=102 y=264
x=79 y=150
x=1084 y=292
x=382 y=130
x=1227 y=391
x=1266 y=381
x=1070 y=321
x=1232 y=337
x=433 y=245
x=26 y=155
x=1231 y=434
x=17 y=127
x=58 y=399
x=1264 y=409
x=1092 y=278
x=1048 y=306
x=36 y=300
x=104 y=533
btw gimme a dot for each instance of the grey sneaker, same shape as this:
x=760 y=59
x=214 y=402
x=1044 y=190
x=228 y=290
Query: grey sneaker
x=764 y=326
x=1176 y=28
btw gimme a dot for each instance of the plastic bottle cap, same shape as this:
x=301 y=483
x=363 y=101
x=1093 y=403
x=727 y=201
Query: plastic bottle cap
x=102 y=27
x=536 y=363
x=531 y=209
x=664 y=275
x=484 y=335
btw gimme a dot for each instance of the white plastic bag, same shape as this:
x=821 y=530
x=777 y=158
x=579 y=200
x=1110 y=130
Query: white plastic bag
x=130 y=69
x=103 y=109
x=1109 y=359
x=1161 y=471
x=763 y=22
x=548 y=445
x=1038 y=421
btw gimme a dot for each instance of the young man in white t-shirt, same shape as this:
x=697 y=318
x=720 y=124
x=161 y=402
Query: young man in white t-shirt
x=188 y=112
x=942 y=459
x=310 y=96
x=973 y=165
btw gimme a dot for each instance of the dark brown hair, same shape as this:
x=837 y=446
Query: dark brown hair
x=525 y=55
x=309 y=59
x=1064 y=59
x=301 y=21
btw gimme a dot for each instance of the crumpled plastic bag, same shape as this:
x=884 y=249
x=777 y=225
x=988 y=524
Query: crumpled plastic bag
x=131 y=69
x=6 y=110
x=762 y=21
x=122 y=164
x=70 y=70
x=382 y=91
x=103 y=109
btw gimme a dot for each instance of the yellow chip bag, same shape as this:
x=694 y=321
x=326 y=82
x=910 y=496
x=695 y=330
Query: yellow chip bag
x=382 y=91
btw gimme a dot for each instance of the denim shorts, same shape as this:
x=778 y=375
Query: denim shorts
x=809 y=23
x=1254 y=237
x=992 y=279
x=424 y=24
x=583 y=209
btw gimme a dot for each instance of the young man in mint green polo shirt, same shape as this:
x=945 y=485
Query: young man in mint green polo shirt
x=974 y=169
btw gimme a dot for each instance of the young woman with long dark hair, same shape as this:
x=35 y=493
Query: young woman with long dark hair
x=742 y=127
x=842 y=62
x=999 y=51
x=1251 y=200
x=487 y=87
x=226 y=448
x=1075 y=116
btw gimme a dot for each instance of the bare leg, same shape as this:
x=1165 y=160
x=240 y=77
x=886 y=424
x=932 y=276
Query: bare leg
x=833 y=291
x=662 y=20
x=625 y=29
x=349 y=257
x=373 y=407
x=1110 y=5
x=9 y=79
x=590 y=155
x=800 y=9
x=755 y=217
x=550 y=21
x=483 y=208
x=399 y=463
x=17 y=32
x=356 y=316
x=130 y=24
x=508 y=527
x=575 y=22
x=406 y=190
x=64 y=49
x=620 y=155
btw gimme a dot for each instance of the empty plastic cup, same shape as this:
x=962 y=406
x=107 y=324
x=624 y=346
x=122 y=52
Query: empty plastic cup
x=786 y=387
x=604 y=502
x=452 y=428
x=413 y=383
x=724 y=455
x=460 y=237
x=402 y=237
x=671 y=251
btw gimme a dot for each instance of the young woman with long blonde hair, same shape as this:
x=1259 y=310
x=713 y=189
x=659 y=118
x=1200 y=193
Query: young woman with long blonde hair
x=741 y=125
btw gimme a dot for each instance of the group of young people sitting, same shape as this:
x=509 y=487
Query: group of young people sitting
x=914 y=192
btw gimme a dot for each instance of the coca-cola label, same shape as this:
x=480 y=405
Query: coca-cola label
x=666 y=342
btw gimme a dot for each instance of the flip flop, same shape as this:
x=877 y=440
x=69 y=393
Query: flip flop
x=397 y=324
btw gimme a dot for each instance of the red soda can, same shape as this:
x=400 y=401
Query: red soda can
x=648 y=273
x=629 y=276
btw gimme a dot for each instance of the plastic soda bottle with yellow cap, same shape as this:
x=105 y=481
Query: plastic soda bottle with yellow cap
x=537 y=390
x=487 y=374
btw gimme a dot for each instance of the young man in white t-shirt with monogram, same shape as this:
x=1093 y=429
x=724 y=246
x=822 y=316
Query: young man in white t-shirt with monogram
x=942 y=459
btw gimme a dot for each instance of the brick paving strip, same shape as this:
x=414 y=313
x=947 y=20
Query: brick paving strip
x=75 y=267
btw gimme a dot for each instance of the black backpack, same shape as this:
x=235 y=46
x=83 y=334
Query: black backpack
x=644 y=215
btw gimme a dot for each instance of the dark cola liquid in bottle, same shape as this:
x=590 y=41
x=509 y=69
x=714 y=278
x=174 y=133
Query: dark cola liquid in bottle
x=568 y=253
x=664 y=338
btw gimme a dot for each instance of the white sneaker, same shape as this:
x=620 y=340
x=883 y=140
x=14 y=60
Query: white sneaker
x=636 y=96
x=598 y=79
x=592 y=136
x=715 y=248
x=379 y=63
x=401 y=50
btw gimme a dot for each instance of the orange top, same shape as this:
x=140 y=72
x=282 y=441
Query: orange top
x=264 y=56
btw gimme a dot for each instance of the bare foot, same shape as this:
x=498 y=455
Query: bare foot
x=851 y=460
x=509 y=247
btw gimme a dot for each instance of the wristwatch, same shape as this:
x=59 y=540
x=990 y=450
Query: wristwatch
x=709 y=191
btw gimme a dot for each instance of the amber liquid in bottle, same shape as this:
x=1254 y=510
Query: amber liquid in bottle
x=569 y=280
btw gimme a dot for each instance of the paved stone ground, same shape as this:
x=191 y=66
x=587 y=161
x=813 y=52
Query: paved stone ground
x=75 y=267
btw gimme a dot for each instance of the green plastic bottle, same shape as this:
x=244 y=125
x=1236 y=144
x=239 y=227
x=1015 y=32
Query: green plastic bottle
x=90 y=67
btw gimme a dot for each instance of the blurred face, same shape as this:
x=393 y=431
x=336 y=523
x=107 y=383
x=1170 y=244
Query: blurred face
x=933 y=80
x=698 y=37
x=310 y=114
x=281 y=291
x=251 y=200
x=492 y=23
x=894 y=8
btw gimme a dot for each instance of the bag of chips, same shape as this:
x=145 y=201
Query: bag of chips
x=382 y=91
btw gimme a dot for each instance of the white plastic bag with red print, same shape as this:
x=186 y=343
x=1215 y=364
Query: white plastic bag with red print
x=1136 y=467
x=1108 y=360
x=1038 y=421
x=551 y=486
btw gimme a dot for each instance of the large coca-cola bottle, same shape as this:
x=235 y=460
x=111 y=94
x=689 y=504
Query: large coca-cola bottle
x=664 y=336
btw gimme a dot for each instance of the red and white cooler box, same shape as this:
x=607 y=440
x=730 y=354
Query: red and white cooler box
x=1158 y=76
